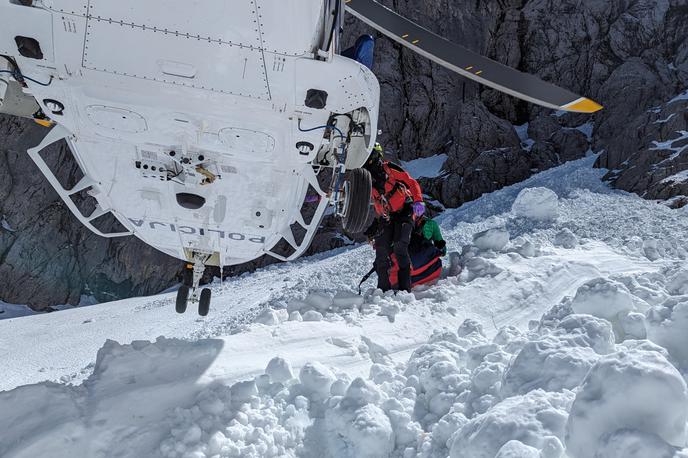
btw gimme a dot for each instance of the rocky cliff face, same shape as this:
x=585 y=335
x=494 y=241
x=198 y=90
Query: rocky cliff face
x=630 y=55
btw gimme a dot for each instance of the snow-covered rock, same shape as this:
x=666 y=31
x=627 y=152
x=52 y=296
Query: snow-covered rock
x=492 y=239
x=540 y=204
x=630 y=390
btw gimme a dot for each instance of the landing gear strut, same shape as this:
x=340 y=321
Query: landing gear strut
x=188 y=291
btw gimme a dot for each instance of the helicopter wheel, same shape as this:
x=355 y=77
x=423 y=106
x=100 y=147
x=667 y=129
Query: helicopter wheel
x=182 y=299
x=356 y=205
x=204 y=302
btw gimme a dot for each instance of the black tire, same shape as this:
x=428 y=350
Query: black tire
x=182 y=299
x=204 y=302
x=360 y=186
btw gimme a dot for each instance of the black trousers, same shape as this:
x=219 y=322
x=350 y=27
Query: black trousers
x=394 y=236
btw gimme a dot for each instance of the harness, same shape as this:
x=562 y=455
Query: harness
x=392 y=200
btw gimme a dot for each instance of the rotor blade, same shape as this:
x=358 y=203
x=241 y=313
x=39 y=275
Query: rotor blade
x=466 y=62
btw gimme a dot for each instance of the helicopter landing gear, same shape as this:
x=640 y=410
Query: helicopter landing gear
x=189 y=290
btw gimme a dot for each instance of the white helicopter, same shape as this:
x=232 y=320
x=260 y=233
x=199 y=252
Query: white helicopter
x=217 y=131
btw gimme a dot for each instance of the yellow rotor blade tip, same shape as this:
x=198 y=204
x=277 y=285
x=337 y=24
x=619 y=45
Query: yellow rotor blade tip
x=584 y=105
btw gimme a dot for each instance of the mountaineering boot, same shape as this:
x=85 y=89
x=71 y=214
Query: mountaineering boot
x=405 y=279
x=383 y=282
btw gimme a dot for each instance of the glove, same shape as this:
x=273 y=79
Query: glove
x=418 y=209
x=442 y=246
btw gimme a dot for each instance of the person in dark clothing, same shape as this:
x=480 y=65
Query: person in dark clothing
x=398 y=201
x=427 y=231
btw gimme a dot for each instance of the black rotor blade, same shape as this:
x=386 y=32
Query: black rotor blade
x=466 y=62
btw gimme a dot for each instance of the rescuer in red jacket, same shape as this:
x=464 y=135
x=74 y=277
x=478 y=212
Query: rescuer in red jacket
x=398 y=201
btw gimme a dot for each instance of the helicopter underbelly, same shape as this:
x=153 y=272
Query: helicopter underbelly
x=203 y=98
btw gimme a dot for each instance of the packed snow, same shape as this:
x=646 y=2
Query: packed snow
x=426 y=167
x=562 y=337
x=522 y=132
x=680 y=97
x=679 y=177
x=669 y=145
x=14 y=311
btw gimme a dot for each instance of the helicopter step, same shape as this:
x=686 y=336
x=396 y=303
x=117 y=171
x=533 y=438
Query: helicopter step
x=189 y=290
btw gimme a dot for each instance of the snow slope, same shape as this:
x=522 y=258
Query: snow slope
x=426 y=167
x=506 y=360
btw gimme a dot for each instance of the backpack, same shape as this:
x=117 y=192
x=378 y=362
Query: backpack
x=426 y=266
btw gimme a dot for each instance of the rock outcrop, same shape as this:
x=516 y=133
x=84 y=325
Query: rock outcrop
x=630 y=55
x=46 y=256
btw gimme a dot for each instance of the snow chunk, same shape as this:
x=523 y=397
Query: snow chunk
x=516 y=449
x=589 y=331
x=566 y=239
x=279 y=370
x=629 y=390
x=347 y=300
x=316 y=379
x=539 y=204
x=678 y=282
x=270 y=317
x=469 y=327
x=361 y=433
x=527 y=249
x=559 y=360
x=530 y=419
x=635 y=444
x=606 y=299
x=479 y=267
x=312 y=315
x=633 y=326
x=356 y=426
x=653 y=249
x=666 y=326
x=552 y=363
x=492 y=239
x=319 y=300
